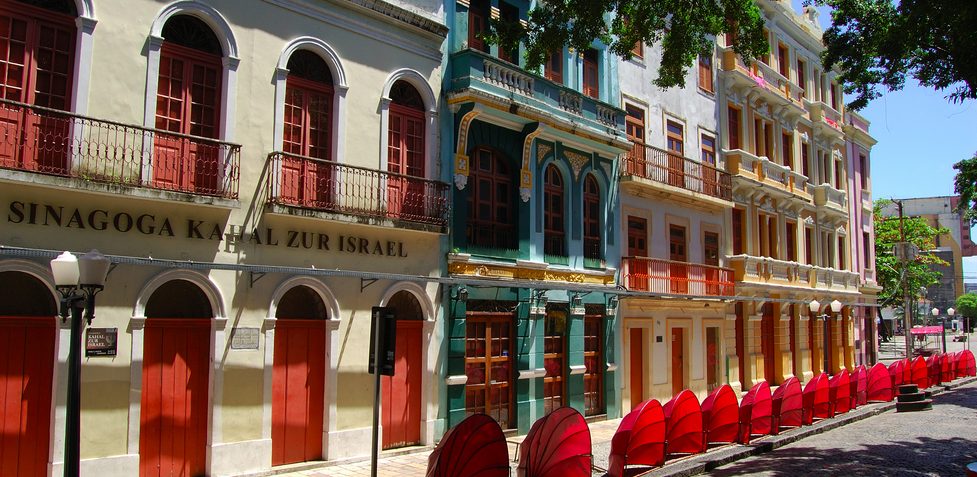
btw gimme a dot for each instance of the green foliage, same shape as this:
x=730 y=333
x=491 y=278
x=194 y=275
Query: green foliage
x=889 y=270
x=965 y=185
x=685 y=29
x=967 y=305
x=881 y=42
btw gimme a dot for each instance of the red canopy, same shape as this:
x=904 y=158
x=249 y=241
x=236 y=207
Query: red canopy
x=966 y=363
x=756 y=411
x=683 y=424
x=720 y=415
x=859 y=384
x=933 y=369
x=817 y=399
x=639 y=440
x=927 y=330
x=907 y=371
x=919 y=373
x=476 y=446
x=788 y=405
x=896 y=373
x=840 y=386
x=946 y=368
x=879 y=385
x=558 y=445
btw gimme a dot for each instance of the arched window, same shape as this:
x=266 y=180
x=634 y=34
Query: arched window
x=405 y=152
x=37 y=49
x=591 y=221
x=554 y=241
x=307 y=173
x=188 y=99
x=492 y=218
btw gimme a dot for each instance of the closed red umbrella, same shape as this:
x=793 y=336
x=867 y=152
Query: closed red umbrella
x=946 y=368
x=683 y=424
x=558 y=445
x=896 y=373
x=840 y=386
x=639 y=440
x=720 y=416
x=967 y=363
x=475 y=447
x=919 y=373
x=879 y=386
x=859 y=384
x=788 y=405
x=933 y=369
x=817 y=399
x=756 y=412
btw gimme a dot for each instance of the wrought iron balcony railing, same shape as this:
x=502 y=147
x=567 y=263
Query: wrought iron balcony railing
x=60 y=143
x=318 y=184
x=680 y=278
x=669 y=168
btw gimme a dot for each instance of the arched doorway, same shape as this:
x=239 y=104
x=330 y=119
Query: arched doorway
x=298 y=378
x=401 y=393
x=28 y=328
x=406 y=152
x=175 y=381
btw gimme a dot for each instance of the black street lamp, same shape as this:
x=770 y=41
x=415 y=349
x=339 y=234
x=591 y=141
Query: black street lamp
x=78 y=280
x=815 y=309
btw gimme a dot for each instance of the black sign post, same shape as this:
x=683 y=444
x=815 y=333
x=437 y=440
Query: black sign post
x=383 y=341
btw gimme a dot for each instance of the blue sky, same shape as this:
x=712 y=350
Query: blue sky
x=921 y=135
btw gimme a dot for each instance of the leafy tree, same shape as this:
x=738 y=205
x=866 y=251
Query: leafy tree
x=685 y=29
x=965 y=184
x=881 y=42
x=889 y=270
x=967 y=306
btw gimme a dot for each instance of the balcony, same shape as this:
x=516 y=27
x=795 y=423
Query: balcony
x=676 y=278
x=753 y=270
x=532 y=96
x=831 y=198
x=93 y=151
x=750 y=171
x=826 y=119
x=772 y=87
x=300 y=185
x=661 y=171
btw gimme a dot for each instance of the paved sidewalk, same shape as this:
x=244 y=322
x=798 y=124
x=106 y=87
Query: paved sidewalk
x=412 y=462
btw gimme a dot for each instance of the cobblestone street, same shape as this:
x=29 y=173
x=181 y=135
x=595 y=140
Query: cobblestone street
x=940 y=442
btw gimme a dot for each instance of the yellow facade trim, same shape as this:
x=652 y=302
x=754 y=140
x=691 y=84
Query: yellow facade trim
x=513 y=272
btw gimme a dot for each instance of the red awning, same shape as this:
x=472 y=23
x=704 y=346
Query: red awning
x=639 y=440
x=558 y=445
x=756 y=412
x=919 y=373
x=840 y=386
x=683 y=424
x=476 y=446
x=927 y=330
x=788 y=405
x=720 y=415
x=817 y=400
x=879 y=385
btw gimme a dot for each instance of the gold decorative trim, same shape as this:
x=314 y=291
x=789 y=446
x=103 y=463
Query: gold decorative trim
x=497 y=271
x=577 y=161
x=541 y=151
x=526 y=174
x=462 y=163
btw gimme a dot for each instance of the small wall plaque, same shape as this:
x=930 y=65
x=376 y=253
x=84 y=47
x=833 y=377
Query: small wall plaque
x=244 y=338
x=101 y=342
x=659 y=339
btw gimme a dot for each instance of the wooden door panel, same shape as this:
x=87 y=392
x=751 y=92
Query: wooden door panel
x=298 y=391
x=678 y=361
x=637 y=367
x=401 y=393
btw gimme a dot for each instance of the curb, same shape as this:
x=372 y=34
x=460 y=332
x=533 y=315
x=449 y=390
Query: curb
x=701 y=463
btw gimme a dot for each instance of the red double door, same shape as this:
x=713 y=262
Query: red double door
x=401 y=393
x=175 y=397
x=26 y=372
x=298 y=391
x=405 y=160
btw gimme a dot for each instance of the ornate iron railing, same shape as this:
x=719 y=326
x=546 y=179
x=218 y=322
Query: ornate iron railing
x=311 y=183
x=60 y=143
x=669 y=168
x=680 y=278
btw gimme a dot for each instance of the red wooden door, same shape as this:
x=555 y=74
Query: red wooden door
x=678 y=269
x=187 y=102
x=175 y=382
x=298 y=391
x=401 y=393
x=637 y=367
x=768 y=344
x=26 y=367
x=405 y=157
x=678 y=360
x=638 y=251
x=307 y=135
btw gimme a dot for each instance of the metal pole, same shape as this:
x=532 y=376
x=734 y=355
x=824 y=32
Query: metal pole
x=72 y=437
x=376 y=395
x=907 y=312
x=943 y=329
x=824 y=352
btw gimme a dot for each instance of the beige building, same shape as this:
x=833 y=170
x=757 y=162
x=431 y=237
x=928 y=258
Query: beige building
x=261 y=174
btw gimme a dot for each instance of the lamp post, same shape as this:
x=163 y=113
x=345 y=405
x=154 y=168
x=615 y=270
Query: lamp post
x=942 y=321
x=78 y=280
x=815 y=309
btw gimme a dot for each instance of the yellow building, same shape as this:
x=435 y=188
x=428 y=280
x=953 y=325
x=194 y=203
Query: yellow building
x=261 y=175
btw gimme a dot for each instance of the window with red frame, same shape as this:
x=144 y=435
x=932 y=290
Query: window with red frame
x=863 y=170
x=491 y=211
x=710 y=181
x=405 y=152
x=478 y=18
x=805 y=159
x=188 y=94
x=738 y=231
x=554 y=67
x=791 y=241
x=307 y=173
x=705 y=73
x=635 y=128
x=593 y=378
x=554 y=242
x=802 y=76
x=733 y=123
x=36 y=67
x=675 y=140
x=591 y=219
x=783 y=56
x=591 y=73
x=787 y=150
x=488 y=366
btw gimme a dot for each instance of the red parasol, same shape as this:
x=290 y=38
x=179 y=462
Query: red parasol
x=558 y=445
x=955 y=359
x=933 y=369
x=475 y=447
x=859 y=384
x=683 y=424
x=896 y=373
x=720 y=415
x=907 y=371
x=879 y=385
x=967 y=363
x=788 y=405
x=639 y=440
x=817 y=399
x=946 y=368
x=919 y=373
x=756 y=411
x=840 y=386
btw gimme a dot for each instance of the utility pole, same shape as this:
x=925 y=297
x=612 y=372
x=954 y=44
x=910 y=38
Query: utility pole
x=907 y=308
